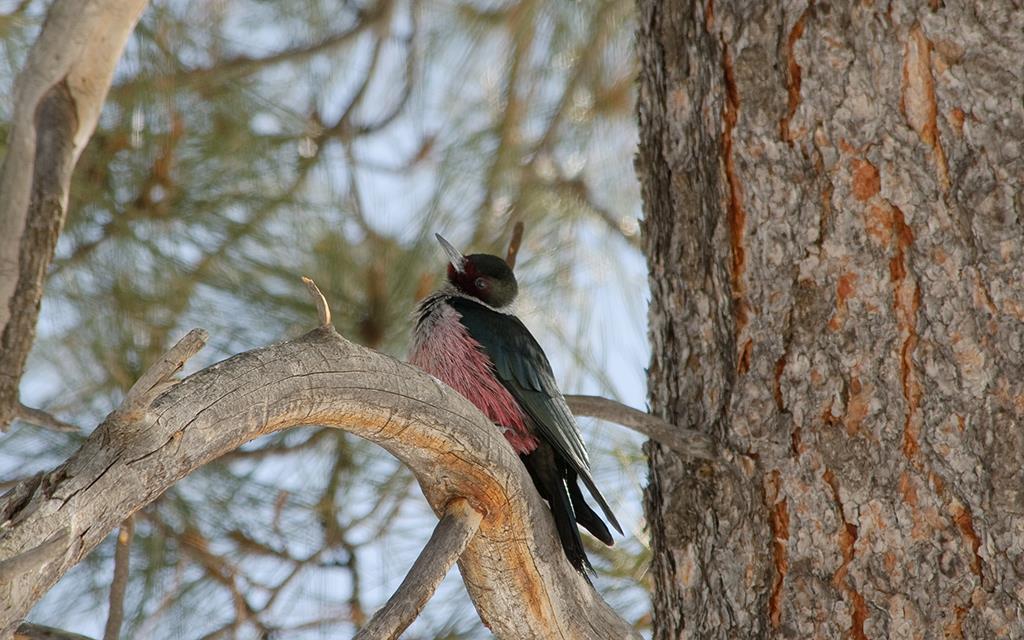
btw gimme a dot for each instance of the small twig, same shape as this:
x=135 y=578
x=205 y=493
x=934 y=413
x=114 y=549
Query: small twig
x=514 y=243
x=323 y=310
x=29 y=631
x=446 y=544
x=43 y=419
x=10 y=483
x=33 y=558
x=686 y=442
x=119 y=584
x=157 y=378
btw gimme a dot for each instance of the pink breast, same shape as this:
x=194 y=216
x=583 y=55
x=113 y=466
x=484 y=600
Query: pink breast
x=444 y=349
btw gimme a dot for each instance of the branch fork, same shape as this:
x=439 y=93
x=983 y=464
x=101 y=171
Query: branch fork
x=452 y=535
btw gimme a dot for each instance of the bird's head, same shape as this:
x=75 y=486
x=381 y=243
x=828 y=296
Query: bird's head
x=482 y=276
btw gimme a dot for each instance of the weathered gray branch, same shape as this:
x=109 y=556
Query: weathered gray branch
x=57 y=100
x=157 y=378
x=686 y=442
x=30 y=631
x=514 y=569
x=118 y=586
x=43 y=419
x=456 y=528
x=29 y=559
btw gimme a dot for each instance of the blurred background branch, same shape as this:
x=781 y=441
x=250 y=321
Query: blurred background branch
x=238 y=132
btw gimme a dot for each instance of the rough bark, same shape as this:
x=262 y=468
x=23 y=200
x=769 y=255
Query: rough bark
x=832 y=196
x=514 y=568
x=57 y=101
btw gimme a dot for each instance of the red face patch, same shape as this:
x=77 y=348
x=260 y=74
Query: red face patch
x=468 y=280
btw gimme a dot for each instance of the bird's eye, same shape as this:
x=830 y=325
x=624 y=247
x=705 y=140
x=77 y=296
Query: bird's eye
x=481 y=283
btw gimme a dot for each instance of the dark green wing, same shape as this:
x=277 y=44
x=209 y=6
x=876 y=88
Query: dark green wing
x=521 y=366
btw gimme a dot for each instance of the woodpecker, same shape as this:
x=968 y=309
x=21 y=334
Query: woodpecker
x=467 y=337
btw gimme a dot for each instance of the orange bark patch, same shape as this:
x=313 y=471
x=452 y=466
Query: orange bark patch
x=780 y=368
x=982 y=298
x=847 y=148
x=917 y=101
x=737 y=215
x=859 y=614
x=847 y=540
x=857 y=406
x=866 y=180
x=965 y=522
x=911 y=393
x=878 y=223
x=907 y=489
x=743 y=365
x=955 y=629
x=889 y=559
x=956 y=118
x=847 y=543
x=793 y=76
x=833 y=484
x=844 y=289
x=904 y=234
x=816 y=377
x=897 y=270
x=779 y=524
x=906 y=302
x=827 y=416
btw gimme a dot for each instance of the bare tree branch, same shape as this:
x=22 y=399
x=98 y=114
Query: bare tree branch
x=456 y=528
x=241 y=66
x=514 y=243
x=688 y=443
x=373 y=17
x=43 y=419
x=57 y=101
x=514 y=568
x=118 y=586
x=28 y=631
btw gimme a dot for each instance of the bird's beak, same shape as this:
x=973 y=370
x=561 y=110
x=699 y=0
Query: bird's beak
x=457 y=259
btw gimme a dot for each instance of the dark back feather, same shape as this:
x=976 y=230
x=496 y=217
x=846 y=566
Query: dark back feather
x=521 y=366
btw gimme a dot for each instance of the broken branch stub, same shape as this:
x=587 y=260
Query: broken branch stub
x=158 y=377
x=514 y=244
x=323 y=310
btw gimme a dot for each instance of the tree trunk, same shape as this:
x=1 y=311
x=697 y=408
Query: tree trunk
x=832 y=197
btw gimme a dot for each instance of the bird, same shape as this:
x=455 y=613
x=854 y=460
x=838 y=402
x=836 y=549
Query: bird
x=467 y=336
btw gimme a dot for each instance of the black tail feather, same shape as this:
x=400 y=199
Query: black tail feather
x=584 y=514
x=587 y=480
x=547 y=476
